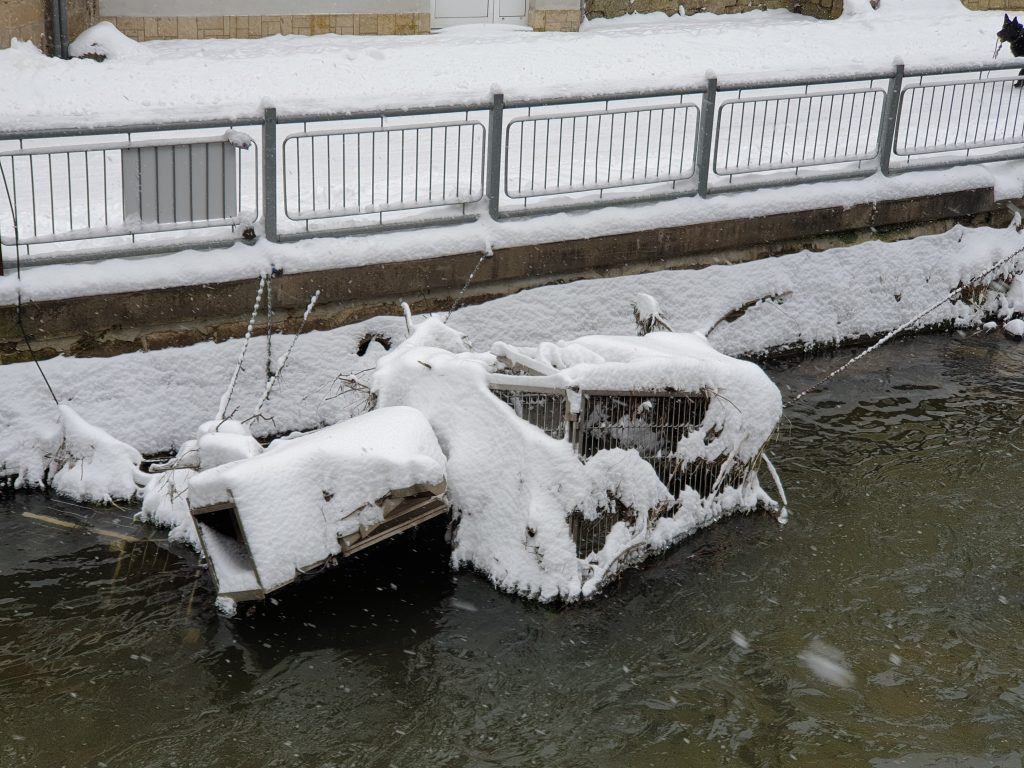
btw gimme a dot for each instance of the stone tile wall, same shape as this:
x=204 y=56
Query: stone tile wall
x=82 y=14
x=205 y=27
x=24 y=20
x=555 y=21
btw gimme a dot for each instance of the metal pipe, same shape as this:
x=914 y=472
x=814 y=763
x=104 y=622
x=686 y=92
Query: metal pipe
x=59 y=28
x=890 y=117
x=705 y=131
x=270 y=174
x=494 y=164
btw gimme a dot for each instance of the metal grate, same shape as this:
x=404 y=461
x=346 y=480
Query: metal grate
x=961 y=115
x=795 y=131
x=653 y=424
x=336 y=173
x=556 y=154
x=102 y=190
x=545 y=410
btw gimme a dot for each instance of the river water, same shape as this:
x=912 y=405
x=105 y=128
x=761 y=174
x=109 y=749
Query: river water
x=883 y=626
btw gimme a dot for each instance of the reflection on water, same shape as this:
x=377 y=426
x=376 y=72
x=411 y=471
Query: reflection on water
x=903 y=556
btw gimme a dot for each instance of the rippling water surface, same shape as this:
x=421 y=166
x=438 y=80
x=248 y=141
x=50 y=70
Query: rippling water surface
x=883 y=626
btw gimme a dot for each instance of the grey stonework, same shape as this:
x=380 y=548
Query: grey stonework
x=821 y=9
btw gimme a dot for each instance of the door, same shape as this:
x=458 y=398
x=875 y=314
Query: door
x=450 y=13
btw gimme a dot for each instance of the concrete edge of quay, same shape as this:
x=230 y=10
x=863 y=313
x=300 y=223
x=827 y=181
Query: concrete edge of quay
x=111 y=324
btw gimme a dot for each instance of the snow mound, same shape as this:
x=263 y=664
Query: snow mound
x=295 y=500
x=91 y=466
x=535 y=513
x=105 y=41
x=165 y=498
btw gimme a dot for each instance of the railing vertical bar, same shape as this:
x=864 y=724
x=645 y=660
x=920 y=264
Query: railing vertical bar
x=647 y=144
x=71 y=210
x=547 y=150
x=890 y=116
x=495 y=168
x=705 y=131
x=53 y=214
x=270 y=173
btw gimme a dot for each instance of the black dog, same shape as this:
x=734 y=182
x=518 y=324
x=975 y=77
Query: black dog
x=1013 y=33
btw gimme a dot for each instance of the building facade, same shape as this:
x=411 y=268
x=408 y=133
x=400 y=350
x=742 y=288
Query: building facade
x=199 y=19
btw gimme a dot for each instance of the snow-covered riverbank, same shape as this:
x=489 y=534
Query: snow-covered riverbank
x=154 y=401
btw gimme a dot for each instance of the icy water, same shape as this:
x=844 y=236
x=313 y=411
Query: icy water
x=904 y=553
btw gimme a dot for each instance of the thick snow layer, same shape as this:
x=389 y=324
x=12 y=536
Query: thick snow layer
x=683 y=362
x=106 y=41
x=296 y=498
x=165 y=498
x=154 y=400
x=172 y=79
x=89 y=465
x=515 y=488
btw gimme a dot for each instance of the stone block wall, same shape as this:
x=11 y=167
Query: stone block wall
x=822 y=9
x=30 y=20
x=24 y=20
x=554 y=21
x=994 y=5
x=82 y=14
x=143 y=28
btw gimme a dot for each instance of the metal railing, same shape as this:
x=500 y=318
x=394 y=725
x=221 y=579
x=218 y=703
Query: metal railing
x=567 y=154
x=122 y=190
x=78 y=194
x=959 y=121
x=769 y=133
x=374 y=172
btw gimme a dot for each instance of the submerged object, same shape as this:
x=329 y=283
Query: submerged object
x=562 y=464
x=573 y=460
x=265 y=520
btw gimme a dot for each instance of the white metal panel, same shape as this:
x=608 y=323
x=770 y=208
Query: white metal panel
x=179 y=183
x=449 y=12
x=512 y=10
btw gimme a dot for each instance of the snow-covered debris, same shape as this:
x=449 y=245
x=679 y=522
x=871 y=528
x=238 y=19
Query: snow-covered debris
x=297 y=504
x=552 y=509
x=648 y=316
x=165 y=498
x=105 y=41
x=1015 y=329
x=91 y=466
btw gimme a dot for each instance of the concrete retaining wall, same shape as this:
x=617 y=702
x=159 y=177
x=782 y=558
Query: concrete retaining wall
x=113 y=324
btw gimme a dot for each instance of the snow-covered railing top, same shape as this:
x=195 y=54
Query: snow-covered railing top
x=331 y=173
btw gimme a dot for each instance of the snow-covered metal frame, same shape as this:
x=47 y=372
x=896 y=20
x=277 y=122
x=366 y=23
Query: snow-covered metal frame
x=780 y=133
x=358 y=172
x=554 y=154
x=797 y=130
x=600 y=150
x=159 y=183
x=382 y=169
x=956 y=116
x=344 y=173
x=653 y=423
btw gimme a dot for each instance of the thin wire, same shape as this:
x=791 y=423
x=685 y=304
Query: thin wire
x=951 y=296
x=17 y=268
